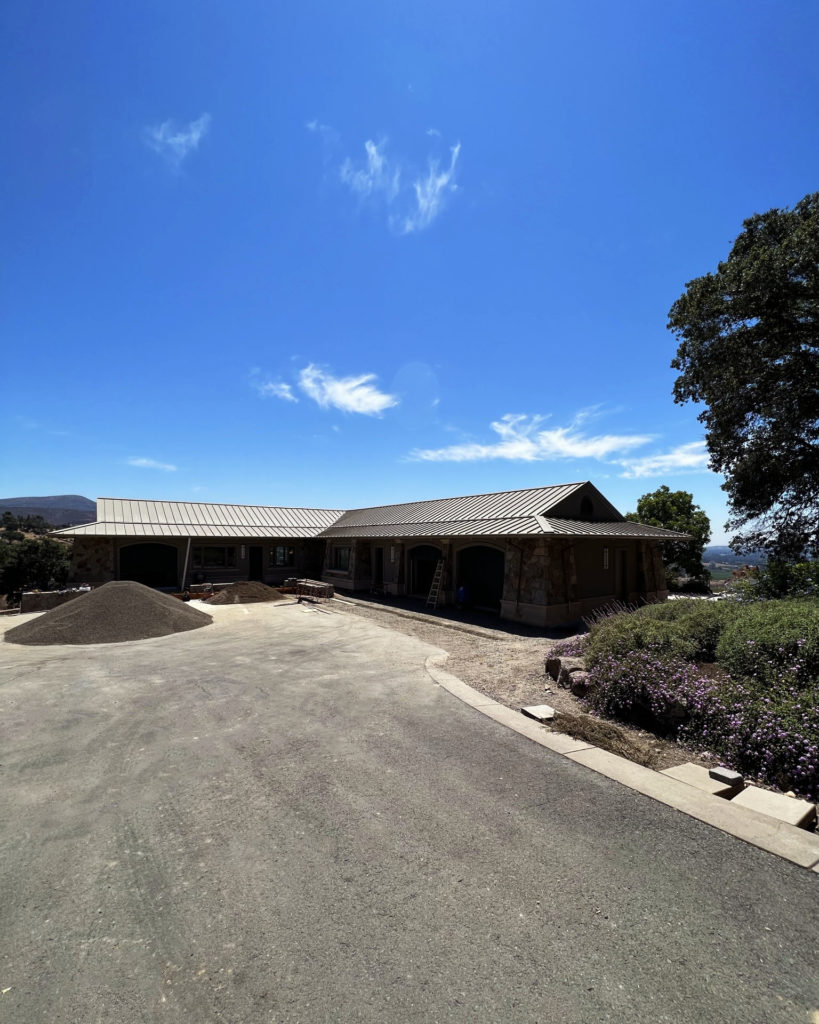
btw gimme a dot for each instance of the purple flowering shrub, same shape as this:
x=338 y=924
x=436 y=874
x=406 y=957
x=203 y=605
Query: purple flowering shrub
x=761 y=717
x=773 y=642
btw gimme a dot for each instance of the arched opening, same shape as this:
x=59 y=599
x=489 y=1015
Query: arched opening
x=155 y=565
x=422 y=562
x=480 y=577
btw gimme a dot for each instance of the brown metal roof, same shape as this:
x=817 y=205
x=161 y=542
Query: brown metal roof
x=500 y=505
x=582 y=528
x=502 y=513
x=460 y=528
x=126 y=517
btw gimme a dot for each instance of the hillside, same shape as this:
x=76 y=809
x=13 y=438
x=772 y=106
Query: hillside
x=57 y=509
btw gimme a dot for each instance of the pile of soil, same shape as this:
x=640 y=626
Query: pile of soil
x=115 y=612
x=245 y=592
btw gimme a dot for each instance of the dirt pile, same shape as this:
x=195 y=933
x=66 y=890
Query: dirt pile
x=115 y=612
x=245 y=592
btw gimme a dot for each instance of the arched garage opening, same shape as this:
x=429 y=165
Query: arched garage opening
x=480 y=574
x=422 y=562
x=151 y=564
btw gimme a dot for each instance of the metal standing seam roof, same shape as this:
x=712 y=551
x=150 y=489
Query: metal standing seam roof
x=499 y=505
x=502 y=513
x=582 y=528
x=459 y=528
x=125 y=517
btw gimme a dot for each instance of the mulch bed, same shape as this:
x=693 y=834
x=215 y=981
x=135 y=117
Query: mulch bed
x=245 y=592
x=604 y=734
x=116 y=612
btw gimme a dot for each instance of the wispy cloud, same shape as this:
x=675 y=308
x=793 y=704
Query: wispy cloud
x=430 y=193
x=522 y=438
x=376 y=176
x=142 y=463
x=690 y=458
x=175 y=143
x=349 y=394
x=275 y=389
x=412 y=200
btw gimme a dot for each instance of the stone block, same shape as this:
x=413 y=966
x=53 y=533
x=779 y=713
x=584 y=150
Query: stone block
x=540 y=712
x=553 y=667
x=567 y=667
x=579 y=684
x=777 y=805
x=694 y=775
x=727 y=775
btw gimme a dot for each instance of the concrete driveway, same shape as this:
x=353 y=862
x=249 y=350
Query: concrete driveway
x=281 y=818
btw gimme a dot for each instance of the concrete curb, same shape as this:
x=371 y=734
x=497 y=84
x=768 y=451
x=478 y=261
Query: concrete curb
x=786 y=841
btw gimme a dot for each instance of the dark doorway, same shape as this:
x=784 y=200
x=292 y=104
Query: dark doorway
x=480 y=574
x=255 y=564
x=422 y=562
x=378 y=567
x=155 y=565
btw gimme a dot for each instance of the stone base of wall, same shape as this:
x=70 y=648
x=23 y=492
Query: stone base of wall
x=43 y=601
x=531 y=614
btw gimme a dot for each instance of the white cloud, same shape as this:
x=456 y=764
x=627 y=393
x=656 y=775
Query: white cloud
x=412 y=200
x=522 y=439
x=377 y=175
x=275 y=389
x=349 y=394
x=430 y=193
x=691 y=458
x=173 y=143
x=143 y=463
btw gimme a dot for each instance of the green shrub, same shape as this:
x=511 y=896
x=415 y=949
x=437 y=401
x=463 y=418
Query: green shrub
x=624 y=634
x=775 y=642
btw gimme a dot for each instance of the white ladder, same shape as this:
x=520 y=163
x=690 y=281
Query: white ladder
x=435 y=590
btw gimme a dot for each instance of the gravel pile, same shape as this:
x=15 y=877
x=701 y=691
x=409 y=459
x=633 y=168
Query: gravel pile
x=245 y=592
x=115 y=612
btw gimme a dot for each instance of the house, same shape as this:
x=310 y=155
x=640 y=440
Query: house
x=545 y=556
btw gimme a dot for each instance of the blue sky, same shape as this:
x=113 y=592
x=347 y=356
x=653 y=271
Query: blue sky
x=341 y=254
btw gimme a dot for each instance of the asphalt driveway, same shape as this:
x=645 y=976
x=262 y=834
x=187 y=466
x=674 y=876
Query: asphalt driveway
x=280 y=817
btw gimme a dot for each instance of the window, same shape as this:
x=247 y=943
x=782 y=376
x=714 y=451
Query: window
x=281 y=555
x=214 y=558
x=341 y=559
x=605 y=558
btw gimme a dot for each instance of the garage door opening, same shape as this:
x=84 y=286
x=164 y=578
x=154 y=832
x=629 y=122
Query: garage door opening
x=422 y=562
x=480 y=577
x=155 y=565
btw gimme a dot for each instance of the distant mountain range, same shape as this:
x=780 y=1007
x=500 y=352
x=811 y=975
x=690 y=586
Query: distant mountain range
x=57 y=509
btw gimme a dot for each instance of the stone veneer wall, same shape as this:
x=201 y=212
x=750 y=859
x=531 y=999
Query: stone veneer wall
x=92 y=560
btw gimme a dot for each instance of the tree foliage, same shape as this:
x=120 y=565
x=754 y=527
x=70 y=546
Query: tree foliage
x=749 y=350
x=33 y=565
x=675 y=510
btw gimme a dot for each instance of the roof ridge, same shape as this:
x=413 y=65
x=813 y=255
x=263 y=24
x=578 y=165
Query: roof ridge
x=479 y=494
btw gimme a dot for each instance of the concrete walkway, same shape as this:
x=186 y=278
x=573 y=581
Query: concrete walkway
x=281 y=817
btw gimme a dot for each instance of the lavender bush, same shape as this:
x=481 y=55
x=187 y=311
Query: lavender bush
x=762 y=717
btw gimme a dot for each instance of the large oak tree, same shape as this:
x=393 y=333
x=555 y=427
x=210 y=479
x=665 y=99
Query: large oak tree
x=749 y=351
